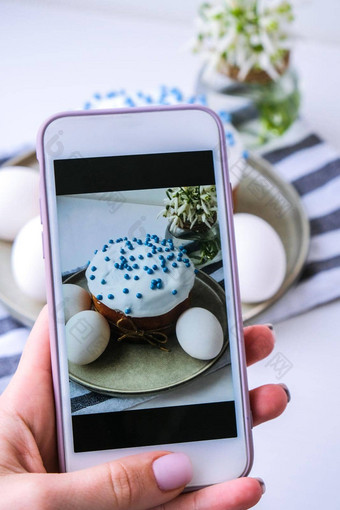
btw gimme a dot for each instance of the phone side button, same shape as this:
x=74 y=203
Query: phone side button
x=232 y=197
x=43 y=244
x=41 y=221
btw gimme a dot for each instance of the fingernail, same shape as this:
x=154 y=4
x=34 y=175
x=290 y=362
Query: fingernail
x=172 y=471
x=263 y=485
x=269 y=326
x=287 y=391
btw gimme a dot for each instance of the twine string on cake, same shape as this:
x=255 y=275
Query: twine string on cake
x=130 y=331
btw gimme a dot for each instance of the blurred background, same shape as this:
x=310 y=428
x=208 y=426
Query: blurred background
x=56 y=54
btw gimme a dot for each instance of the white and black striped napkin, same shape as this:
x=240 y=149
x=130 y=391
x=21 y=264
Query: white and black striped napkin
x=313 y=167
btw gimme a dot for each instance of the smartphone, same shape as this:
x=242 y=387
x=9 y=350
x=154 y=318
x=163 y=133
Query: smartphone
x=145 y=318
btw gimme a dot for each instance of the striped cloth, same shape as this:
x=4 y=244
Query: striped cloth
x=313 y=167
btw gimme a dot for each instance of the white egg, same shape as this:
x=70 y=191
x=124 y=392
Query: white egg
x=27 y=261
x=261 y=258
x=19 y=199
x=76 y=299
x=199 y=333
x=87 y=336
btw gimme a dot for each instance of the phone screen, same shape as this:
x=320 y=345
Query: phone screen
x=141 y=234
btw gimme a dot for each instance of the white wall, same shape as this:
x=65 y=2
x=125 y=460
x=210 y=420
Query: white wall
x=315 y=19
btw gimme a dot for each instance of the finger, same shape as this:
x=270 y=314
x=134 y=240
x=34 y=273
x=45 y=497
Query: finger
x=259 y=342
x=267 y=402
x=237 y=494
x=137 y=482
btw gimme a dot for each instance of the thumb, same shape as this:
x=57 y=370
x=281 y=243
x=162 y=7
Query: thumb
x=132 y=483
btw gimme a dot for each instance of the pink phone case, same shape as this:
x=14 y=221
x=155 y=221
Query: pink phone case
x=49 y=279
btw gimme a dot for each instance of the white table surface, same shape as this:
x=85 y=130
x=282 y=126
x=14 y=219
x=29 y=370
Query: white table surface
x=54 y=59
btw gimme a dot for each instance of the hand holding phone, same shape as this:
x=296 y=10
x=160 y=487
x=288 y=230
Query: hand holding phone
x=142 y=287
x=25 y=484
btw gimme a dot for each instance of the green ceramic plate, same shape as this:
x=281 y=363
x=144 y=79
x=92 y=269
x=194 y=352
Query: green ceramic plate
x=126 y=368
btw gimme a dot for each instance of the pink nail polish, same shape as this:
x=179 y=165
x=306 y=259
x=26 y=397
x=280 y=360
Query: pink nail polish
x=172 y=471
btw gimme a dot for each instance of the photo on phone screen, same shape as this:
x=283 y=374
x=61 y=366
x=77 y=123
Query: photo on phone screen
x=150 y=364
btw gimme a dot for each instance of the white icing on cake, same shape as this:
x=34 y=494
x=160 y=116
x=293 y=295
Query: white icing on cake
x=173 y=96
x=141 y=278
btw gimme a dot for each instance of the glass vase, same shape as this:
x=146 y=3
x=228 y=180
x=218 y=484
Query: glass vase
x=203 y=247
x=259 y=111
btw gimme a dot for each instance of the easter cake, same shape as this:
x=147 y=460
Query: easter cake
x=148 y=281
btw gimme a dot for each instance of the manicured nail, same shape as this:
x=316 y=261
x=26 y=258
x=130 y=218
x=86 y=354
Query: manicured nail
x=269 y=326
x=287 y=391
x=263 y=485
x=172 y=471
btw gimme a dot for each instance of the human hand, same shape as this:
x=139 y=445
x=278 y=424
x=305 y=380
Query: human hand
x=28 y=455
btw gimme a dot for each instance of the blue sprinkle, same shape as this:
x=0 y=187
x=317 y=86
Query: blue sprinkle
x=159 y=285
x=88 y=262
x=110 y=296
x=122 y=257
x=179 y=259
x=149 y=255
x=127 y=310
x=165 y=269
x=107 y=259
x=188 y=264
x=99 y=297
x=125 y=238
x=155 y=267
x=159 y=280
x=122 y=250
x=153 y=286
x=127 y=277
x=163 y=243
x=104 y=250
x=196 y=271
x=95 y=251
x=116 y=265
x=119 y=240
x=186 y=260
x=145 y=268
x=245 y=154
x=174 y=264
x=153 y=281
x=148 y=235
x=150 y=271
x=139 y=241
x=132 y=258
x=103 y=282
x=135 y=266
x=184 y=250
x=134 y=239
x=111 y=94
x=159 y=248
x=122 y=266
x=87 y=106
x=140 y=257
x=97 y=96
x=166 y=249
x=170 y=257
x=93 y=268
x=111 y=242
x=163 y=263
x=125 y=290
x=174 y=292
x=92 y=277
x=139 y=295
x=136 y=277
x=130 y=247
x=161 y=257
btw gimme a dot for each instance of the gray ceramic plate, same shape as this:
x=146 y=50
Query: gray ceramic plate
x=126 y=368
x=261 y=192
